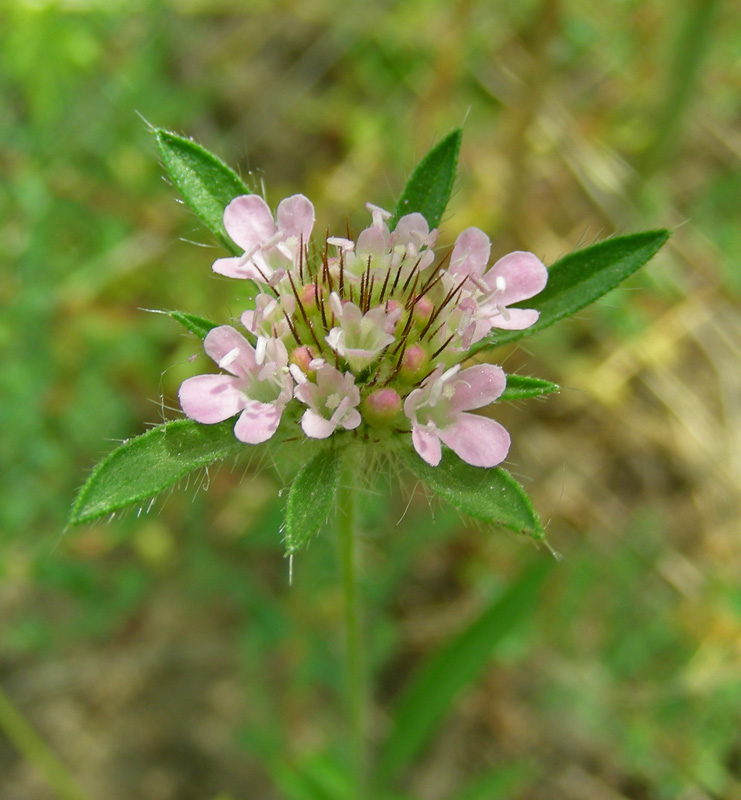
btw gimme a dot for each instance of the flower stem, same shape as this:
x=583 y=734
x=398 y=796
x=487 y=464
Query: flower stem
x=355 y=672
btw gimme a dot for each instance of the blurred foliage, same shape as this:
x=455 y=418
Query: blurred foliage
x=163 y=655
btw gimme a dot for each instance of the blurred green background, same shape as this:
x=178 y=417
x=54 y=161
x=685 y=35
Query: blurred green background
x=164 y=656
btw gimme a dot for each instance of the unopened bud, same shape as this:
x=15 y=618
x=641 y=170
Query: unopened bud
x=413 y=363
x=308 y=295
x=302 y=357
x=381 y=408
x=423 y=308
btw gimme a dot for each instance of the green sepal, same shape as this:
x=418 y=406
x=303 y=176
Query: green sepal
x=192 y=322
x=310 y=498
x=429 y=188
x=490 y=495
x=520 y=387
x=206 y=183
x=436 y=686
x=580 y=278
x=145 y=465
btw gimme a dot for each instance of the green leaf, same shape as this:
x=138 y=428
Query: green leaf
x=195 y=324
x=429 y=187
x=143 y=466
x=310 y=497
x=580 y=278
x=206 y=183
x=455 y=666
x=520 y=387
x=491 y=495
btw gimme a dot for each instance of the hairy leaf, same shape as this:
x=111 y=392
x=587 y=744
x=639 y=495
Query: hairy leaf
x=206 y=183
x=491 y=495
x=143 y=466
x=458 y=663
x=310 y=497
x=580 y=278
x=520 y=387
x=195 y=324
x=428 y=189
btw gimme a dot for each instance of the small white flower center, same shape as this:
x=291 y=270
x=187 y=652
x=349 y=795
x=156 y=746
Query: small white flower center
x=333 y=400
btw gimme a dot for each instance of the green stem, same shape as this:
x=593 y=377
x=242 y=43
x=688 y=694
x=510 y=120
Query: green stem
x=355 y=673
x=35 y=750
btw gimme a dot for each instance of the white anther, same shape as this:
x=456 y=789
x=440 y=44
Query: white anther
x=503 y=311
x=343 y=244
x=262 y=344
x=501 y=283
x=229 y=358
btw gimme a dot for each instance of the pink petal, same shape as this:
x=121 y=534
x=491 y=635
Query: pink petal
x=230 y=267
x=296 y=217
x=427 y=445
x=221 y=341
x=371 y=242
x=211 y=398
x=524 y=275
x=477 y=386
x=258 y=422
x=248 y=221
x=315 y=426
x=477 y=440
x=514 y=319
x=412 y=228
x=470 y=253
x=351 y=420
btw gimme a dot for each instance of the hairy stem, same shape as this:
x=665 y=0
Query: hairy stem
x=355 y=671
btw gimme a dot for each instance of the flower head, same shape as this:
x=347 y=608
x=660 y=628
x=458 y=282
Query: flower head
x=377 y=329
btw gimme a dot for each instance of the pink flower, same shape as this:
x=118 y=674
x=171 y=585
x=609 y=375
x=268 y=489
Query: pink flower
x=438 y=409
x=359 y=337
x=515 y=277
x=259 y=385
x=332 y=401
x=269 y=249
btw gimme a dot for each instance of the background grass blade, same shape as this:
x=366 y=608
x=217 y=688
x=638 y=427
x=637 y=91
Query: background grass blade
x=459 y=663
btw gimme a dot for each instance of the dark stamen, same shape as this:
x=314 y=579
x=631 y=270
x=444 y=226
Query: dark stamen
x=443 y=346
x=385 y=284
x=292 y=327
x=303 y=312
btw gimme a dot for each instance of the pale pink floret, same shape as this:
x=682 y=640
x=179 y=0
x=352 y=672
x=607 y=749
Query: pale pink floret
x=515 y=277
x=259 y=385
x=269 y=248
x=438 y=409
x=359 y=338
x=332 y=401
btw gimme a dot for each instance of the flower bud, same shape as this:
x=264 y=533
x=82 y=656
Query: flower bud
x=413 y=364
x=423 y=308
x=381 y=407
x=302 y=357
